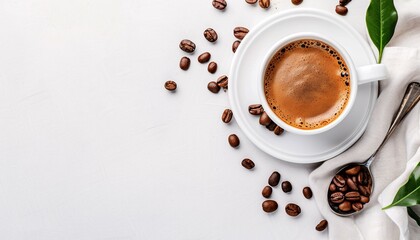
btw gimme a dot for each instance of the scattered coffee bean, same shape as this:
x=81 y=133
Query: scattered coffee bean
x=213 y=87
x=269 y=206
x=286 y=186
x=170 y=85
x=265 y=119
x=240 y=32
x=223 y=81
x=278 y=130
x=364 y=199
x=184 y=63
x=235 y=45
x=352 y=196
x=264 y=3
x=337 y=197
x=339 y=181
x=187 y=46
x=233 y=140
x=332 y=187
x=227 y=116
x=271 y=126
x=219 y=4
x=251 y=1
x=255 y=109
x=292 y=209
x=322 y=225
x=297 y=2
x=204 y=57
x=274 y=179
x=266 y=192
x=307 y=192
x=352 y=185
x=212 y=67
x=345 y=206
x=353 y=171
x=344 y=2
x=210 y=34
x=357 y=206
x=248 y=163
x=342 y=10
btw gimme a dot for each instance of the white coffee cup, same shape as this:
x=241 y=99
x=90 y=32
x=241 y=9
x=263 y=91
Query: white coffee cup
x=358 y=75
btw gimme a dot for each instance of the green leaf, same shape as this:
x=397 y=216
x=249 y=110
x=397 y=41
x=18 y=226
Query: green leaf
x=413 y=215
x=409 y=193
x=381 y=19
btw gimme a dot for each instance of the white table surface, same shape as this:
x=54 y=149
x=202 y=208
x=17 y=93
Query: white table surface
x=93 y=147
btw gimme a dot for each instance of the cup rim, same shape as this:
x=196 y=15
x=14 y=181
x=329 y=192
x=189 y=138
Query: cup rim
x=353 y=82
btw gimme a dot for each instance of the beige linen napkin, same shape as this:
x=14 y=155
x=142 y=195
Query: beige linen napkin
x=399 y=156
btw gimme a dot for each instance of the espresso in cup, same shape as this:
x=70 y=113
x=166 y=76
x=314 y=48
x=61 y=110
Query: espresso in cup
x=307 y=84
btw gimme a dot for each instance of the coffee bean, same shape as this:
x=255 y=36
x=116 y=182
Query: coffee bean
x=339 y=181
x=271 y=126
x=227 y=116
x=266 y=192
x=187 y=46
x=364 y=199
x=337 y=197
x=332 y=187
x=274 y=179
x=297 y=2
x=292 y=209
x=286 y=186
x=264 y=3
x=204 y=57
x=223 y=81
x=235 y=45
x=251 y=1
x=212 y=67
x=352 y=185
x=265 y=119
x=345 y=206
x=233 y=140
x=357 y=206
x=184 y=63
x=365 y=191
x=240 y=32
x=344 y=2
x=362 y=177
x=353 y=171
x=170 y=85
x=341 y=10
x=219 y=4
x=307 y=192
x=278 y=130
x=342 y=189
x=248 y=163
x=213 y=87
x=210 y=35
x=322 y=225
x=269 y=206
x=352 y=196
x=255 y=109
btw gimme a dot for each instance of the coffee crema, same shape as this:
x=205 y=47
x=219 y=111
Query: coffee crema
x=307 y=84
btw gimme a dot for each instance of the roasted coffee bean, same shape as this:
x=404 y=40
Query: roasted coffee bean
x=353 y=171
x=248 y=163
x=357 y=206
x=353 y=196
x=297 y=2
x=269 y=206
x=345 y=206
x=266 y=192
x=210 y=35
x=227 y=116
x=352 y=185
x=271 y=126
x=212 y=67
x=344 y=2
x=342 y=10
x=251 y=1
x=264 y=3
x=307 y=192
x=213 y=87
x=274 y=179
x=233 y=140
x=235 y=45
x=170 y=85
x=187 y=46
x=255 y=109
x=286 y=186
x=322 y=225
x=337 y=197
x=184 y=63
x=343 y=189
x=339 y=181
x=219 y=4
x=332 y=187
x=364 y=190
x=278 y=130
x=240 y=32
x=292 y=209
x=265 y=119
x=223 y=81
x=364 y=199
x=362 y=178
x=204 y=57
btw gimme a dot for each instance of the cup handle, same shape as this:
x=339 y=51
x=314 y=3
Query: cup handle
x=371 y=73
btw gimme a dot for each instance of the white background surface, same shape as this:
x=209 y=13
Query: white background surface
x=93 y=147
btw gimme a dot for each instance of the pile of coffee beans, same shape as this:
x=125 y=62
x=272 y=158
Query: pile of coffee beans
x=265 y=120
x=350 y=189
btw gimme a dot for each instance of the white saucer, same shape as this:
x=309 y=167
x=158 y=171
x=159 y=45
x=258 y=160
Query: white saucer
x=244 y=72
